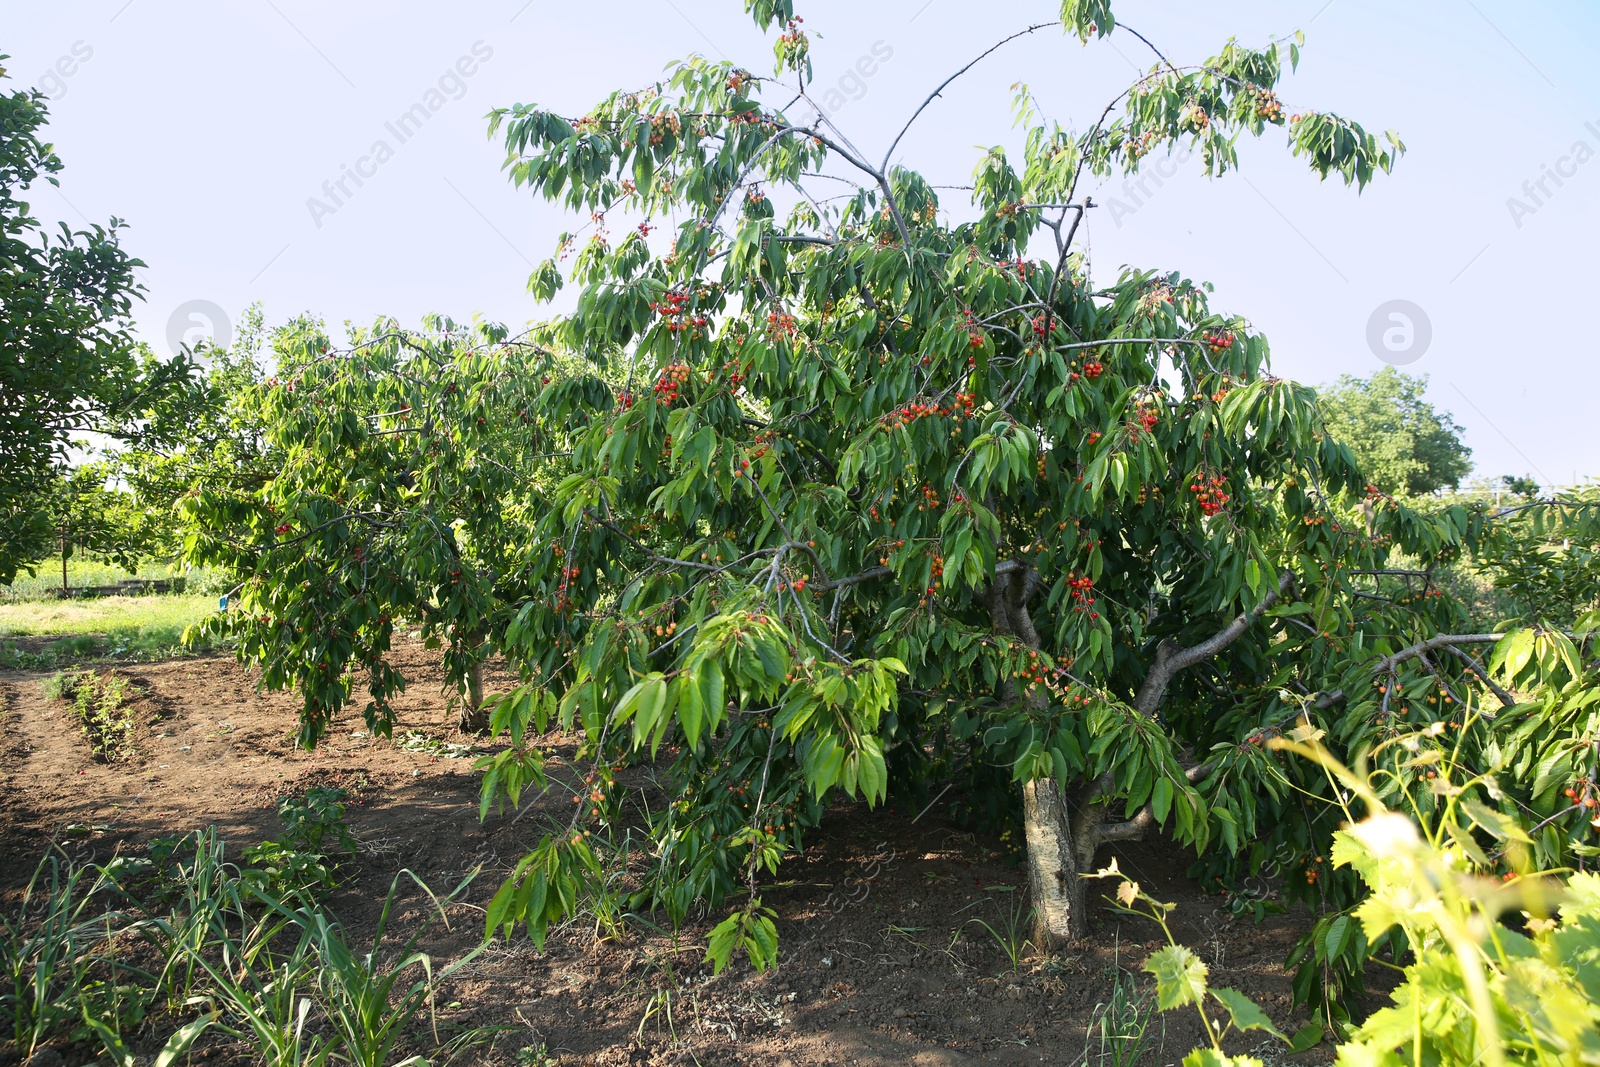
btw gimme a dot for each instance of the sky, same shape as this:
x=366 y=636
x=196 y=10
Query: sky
x=220 y=133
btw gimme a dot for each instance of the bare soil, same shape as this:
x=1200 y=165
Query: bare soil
x=881 y=962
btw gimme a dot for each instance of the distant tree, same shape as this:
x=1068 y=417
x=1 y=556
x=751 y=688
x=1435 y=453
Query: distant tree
x=67 y=362
x=1524 y=487
x=90 y=516
x=1403 y=444
x=204 y=431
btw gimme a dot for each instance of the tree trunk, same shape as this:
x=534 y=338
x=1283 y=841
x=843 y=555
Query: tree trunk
x=474 y=717
x=1059 y=911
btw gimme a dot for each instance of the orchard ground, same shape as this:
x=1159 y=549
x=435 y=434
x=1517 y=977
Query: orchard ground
x=882 y=962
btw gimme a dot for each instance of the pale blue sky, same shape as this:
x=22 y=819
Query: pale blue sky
x=209 y=126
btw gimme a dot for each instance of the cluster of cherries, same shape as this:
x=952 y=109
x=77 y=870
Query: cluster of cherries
x=1219 y=342
x=1020 y=265
x=1147 y=493
x=563 y=601
x=974 y=334
x=793 y=45
x=1081 y=588
x=1582 y=793
x=1267 y=106
x=735 y=375
x=782 y=325
x=1141 y=145
x=960 y=407
x=663 y=124
x=671 y=307
x=1209 y=493
x=930 y=499
x=673 y=377
x=1147 y=415
x=1093 y=369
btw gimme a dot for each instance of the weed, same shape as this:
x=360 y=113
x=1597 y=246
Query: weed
x=536 y=1056
x=1014 y=918
x=58 y=685
x=418 y=742
x=99 y=703
x=311 y=819
x=46 y=952
x=1122 y=1023
x=268 y=1003
x=369 y=1007
x=296 y=863
x=283 y=872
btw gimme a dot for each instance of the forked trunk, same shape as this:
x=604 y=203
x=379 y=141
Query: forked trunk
x=1059 y=911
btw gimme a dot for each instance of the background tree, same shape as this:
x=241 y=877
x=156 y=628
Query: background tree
x=67 y=362
x=1524 y=486
x=391 y=482
x=89 y=516
x=1402 y=443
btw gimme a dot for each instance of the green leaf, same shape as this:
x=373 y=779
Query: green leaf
x=178 y=1044
x=1305 y=1038
x=1245 y=1013
x=1161 y=799
x=1180 y=976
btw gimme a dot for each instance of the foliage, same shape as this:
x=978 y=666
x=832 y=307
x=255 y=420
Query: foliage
x=1122 y=1023
x=820 y=495
x=93 y=518
x=1477 y=991
x=275 y=973
x=1479 y=987
x=46 y=951
x=1011 y=936
x=1545 y=556
x=855 y=446
x=400 y=482
x=67 y=363
x=778 y=502
x=1403 y=444
x=298 y=862
x=206 y=432
x=99 y=703
x=1182 y=980
x=315 y=819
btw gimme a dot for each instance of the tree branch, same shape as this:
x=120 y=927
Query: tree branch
x=1172 y=657
x=889 y=155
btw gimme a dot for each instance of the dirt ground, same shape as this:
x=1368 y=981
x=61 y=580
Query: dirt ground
x=881 y=963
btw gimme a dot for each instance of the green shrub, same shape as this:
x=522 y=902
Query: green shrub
x=311 y=819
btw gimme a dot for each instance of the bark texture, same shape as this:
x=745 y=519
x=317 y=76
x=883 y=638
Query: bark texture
x=1059 y=908
x=474 y=717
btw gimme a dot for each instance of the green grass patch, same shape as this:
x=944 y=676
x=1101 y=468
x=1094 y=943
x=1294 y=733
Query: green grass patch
x=46 y=584
x=118 y=627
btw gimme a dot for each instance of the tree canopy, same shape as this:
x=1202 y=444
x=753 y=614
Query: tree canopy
x=1401 y=441
x=67 y=362
x=827 y=488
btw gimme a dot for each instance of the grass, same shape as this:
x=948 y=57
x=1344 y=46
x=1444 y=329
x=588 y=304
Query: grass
x=118 y=627
x=278 y=974
x=82 y=572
